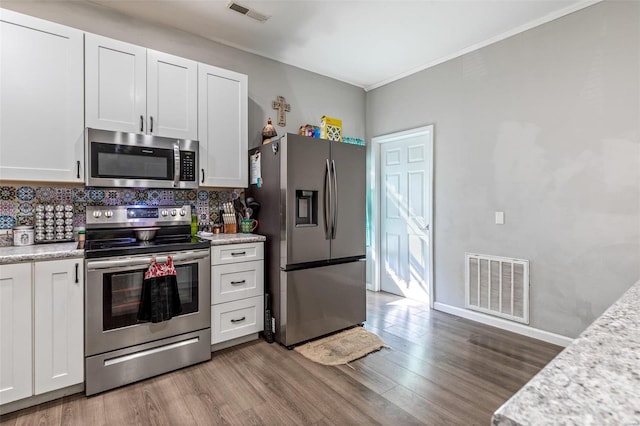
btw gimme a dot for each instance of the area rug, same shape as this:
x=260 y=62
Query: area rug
x=342 y=348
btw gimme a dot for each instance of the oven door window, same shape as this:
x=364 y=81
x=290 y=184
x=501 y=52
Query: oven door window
x=131 y=162
x=121 y=295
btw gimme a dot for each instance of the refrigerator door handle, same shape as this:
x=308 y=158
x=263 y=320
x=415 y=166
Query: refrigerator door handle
x=334 y=221
x=327 y=200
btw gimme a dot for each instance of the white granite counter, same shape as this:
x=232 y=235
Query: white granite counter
x=37 y=252
x=594 y=381
x=221 y=239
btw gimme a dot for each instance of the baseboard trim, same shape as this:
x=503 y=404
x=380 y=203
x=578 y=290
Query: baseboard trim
x=525 y=330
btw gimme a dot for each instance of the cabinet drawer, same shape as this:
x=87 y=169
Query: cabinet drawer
x=232 y=253
x=236 y=319
x=236 y=281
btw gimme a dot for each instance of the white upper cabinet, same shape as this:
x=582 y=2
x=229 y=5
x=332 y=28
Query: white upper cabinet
x=222 y=123
x=41 y=100
x=133 y=89
x=116 y=78
x=172 y=95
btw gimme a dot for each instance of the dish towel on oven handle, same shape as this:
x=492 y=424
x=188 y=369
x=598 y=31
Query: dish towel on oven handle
x=159 y=299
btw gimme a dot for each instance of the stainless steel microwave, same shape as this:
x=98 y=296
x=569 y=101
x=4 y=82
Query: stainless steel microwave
x=119 y=159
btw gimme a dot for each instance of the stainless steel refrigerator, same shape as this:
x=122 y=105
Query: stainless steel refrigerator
x=312 y=196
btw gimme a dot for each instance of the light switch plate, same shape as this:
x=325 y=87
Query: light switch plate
x=499 y=218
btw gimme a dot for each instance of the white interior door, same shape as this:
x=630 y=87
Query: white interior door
x=405 y=171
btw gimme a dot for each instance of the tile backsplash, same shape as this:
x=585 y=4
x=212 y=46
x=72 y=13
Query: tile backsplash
x=17 y=202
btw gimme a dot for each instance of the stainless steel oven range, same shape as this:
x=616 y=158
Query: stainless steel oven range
x=120 y=242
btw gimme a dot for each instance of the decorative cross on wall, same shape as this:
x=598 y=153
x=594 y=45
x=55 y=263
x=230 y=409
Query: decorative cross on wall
x=281 y=106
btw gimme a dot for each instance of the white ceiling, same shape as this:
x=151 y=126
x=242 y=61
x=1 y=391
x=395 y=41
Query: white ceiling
x=365 y=43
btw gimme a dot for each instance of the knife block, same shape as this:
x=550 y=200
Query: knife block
x=230 y=228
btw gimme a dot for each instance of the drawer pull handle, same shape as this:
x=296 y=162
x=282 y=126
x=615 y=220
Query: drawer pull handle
x=238 y=282
x=238 y=320
x=241 y=253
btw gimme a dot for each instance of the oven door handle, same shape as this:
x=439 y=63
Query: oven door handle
x=180 y=258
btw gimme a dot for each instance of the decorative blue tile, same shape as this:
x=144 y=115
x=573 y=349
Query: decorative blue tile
x=26 y=193
x=96 y=195
x=7 y=222
x=79 y=195
x=203 y=195
x=128 y=197
x=25 y=208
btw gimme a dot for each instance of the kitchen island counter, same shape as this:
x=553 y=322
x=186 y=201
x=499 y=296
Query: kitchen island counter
x=595 y=380
x=39 y=252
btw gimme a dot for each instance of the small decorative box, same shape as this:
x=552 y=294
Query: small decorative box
x=331 y=128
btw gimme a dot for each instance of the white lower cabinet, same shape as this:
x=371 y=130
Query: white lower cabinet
x=58 y=324
x=46 y=354
x=16 y=366
x=237 y=291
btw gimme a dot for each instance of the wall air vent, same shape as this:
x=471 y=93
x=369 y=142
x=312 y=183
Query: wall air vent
x=247 y=12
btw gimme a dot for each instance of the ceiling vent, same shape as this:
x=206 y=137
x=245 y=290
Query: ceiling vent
x=247 y=12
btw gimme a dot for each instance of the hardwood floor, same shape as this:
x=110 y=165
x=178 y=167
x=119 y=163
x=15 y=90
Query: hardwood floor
x=440 y=370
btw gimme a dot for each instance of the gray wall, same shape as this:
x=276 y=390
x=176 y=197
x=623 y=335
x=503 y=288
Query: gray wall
x=545 y=127
x=311 y=95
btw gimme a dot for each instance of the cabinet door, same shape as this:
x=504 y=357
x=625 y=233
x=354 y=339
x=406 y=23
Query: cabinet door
x=58 y=324
x=15 y=329
x=115 y=81
x=222 y=127
x=172 y=96
x=41 y=107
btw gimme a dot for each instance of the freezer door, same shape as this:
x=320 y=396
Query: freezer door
x=349 y=174
x=305 y=177
x=319 y=301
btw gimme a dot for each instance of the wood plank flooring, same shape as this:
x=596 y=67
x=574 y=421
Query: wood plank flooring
x=440 y=370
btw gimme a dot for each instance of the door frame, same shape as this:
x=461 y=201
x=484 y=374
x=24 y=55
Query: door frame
x=376 y=145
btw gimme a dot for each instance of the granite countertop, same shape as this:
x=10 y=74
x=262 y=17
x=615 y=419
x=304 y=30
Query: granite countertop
x=595 y=380
x=37 y=252
x=221 y=239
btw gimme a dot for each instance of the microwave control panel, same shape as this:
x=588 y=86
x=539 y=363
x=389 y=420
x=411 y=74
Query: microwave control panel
x=187 y=166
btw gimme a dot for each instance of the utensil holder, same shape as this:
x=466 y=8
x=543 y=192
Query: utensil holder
x=230 y=228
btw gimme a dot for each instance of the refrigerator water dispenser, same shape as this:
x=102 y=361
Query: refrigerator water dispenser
x=306 y=208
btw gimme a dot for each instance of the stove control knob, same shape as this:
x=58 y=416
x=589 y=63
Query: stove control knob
x=164 y=213
x=182 y=212
x=97 y=214
x=108 y=213
x=173 y=212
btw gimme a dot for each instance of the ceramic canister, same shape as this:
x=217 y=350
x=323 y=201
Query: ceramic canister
x=23 y=235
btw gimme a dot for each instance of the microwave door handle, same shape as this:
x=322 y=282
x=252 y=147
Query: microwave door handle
x=176 y=165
